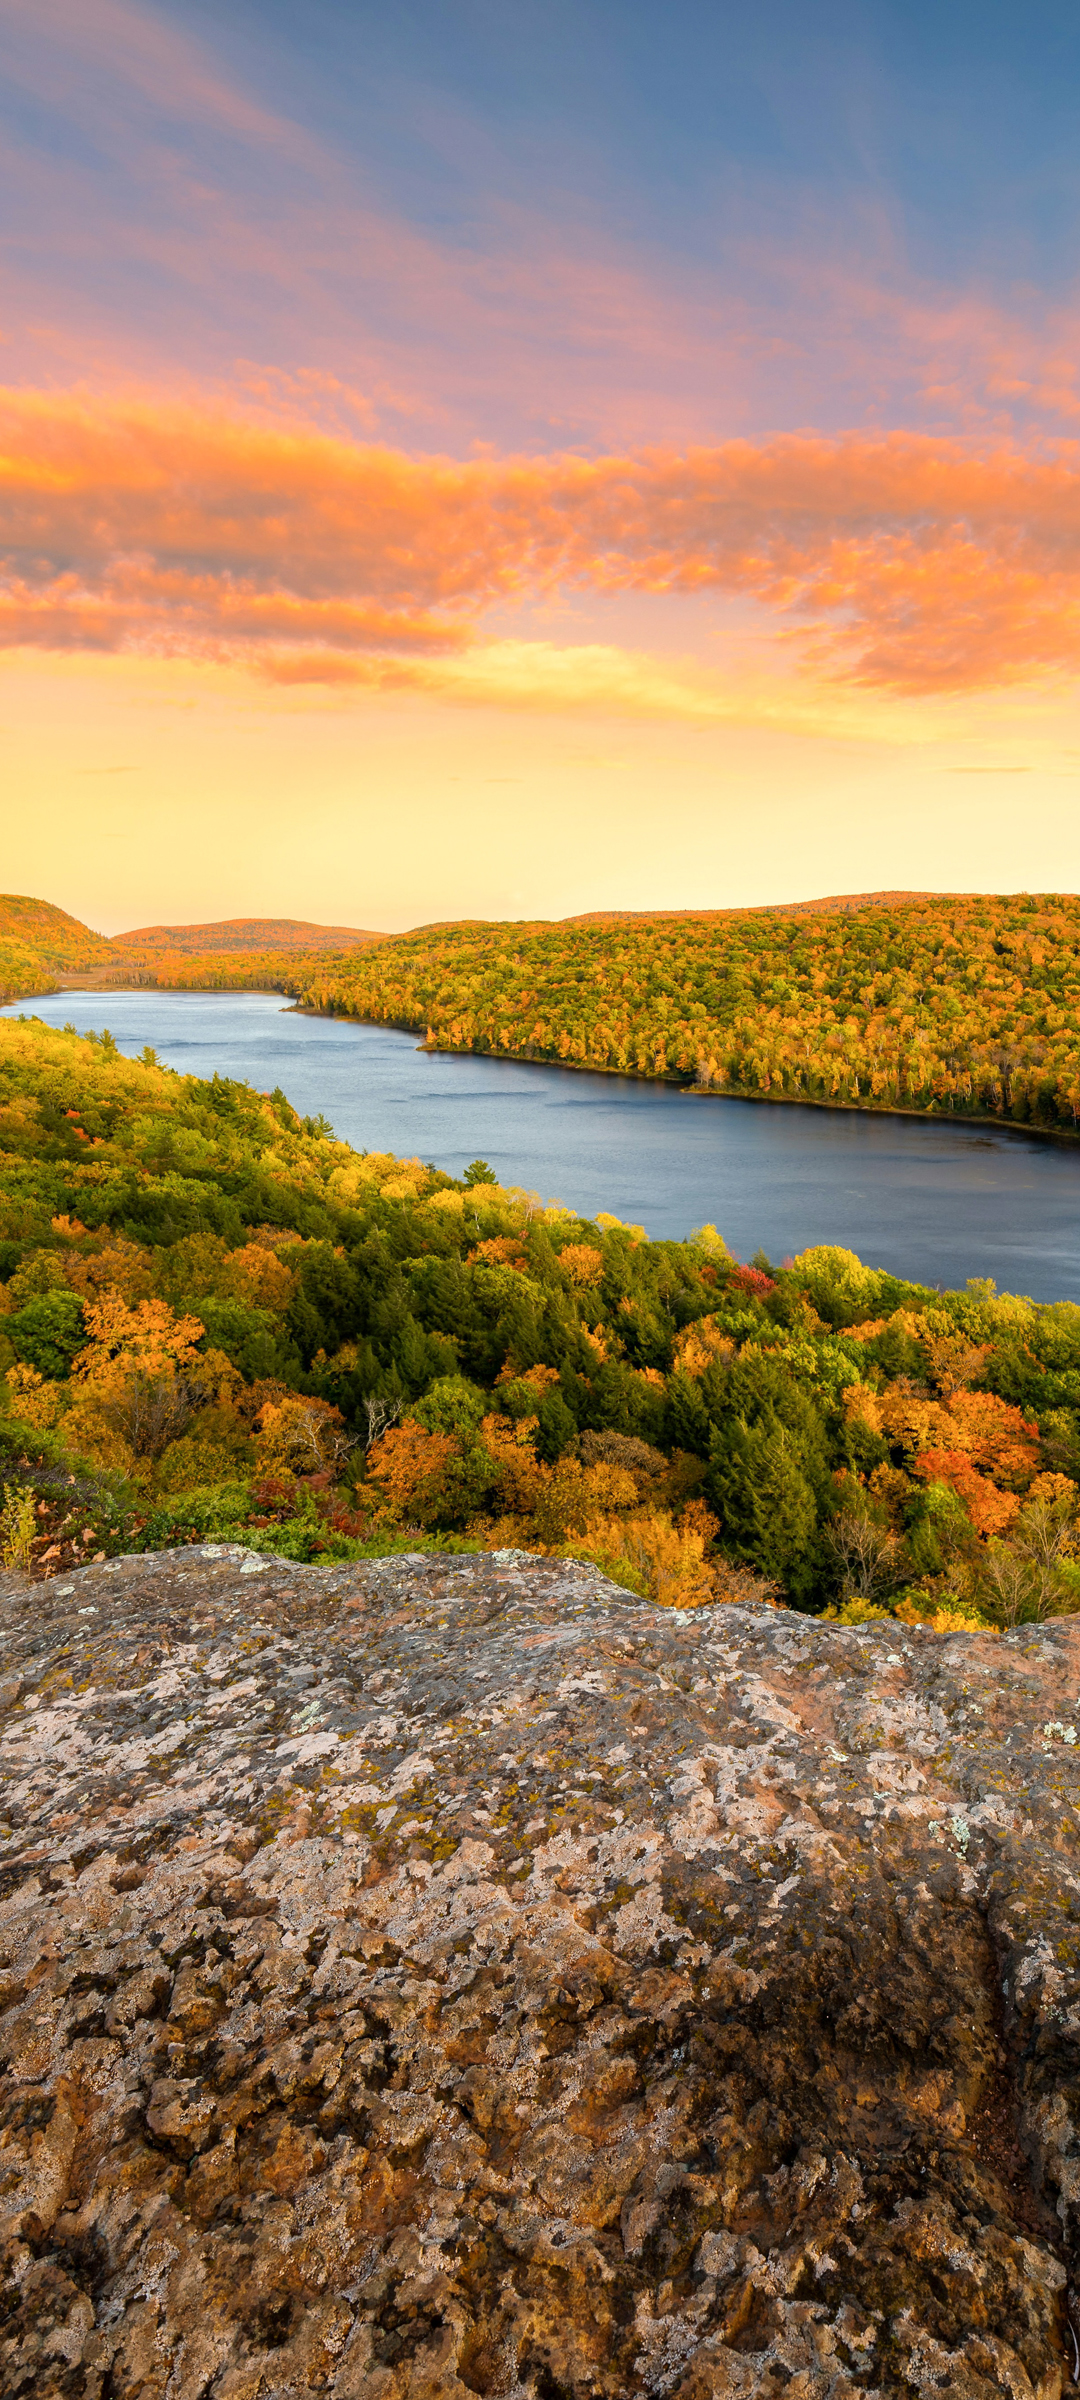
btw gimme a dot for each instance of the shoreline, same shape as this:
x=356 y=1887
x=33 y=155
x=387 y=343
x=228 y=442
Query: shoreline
x=693 y=1091
x=919 y=1116
x=178 y=991
x=572 y=1066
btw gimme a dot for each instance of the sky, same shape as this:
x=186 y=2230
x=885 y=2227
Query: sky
x=514 y=457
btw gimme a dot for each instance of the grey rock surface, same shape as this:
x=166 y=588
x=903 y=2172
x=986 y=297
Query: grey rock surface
x=451 y=1976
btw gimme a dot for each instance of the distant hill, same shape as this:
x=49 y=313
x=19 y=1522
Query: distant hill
x=259 y=935
x=839 y=904
x=49 y=933
x=38 y=942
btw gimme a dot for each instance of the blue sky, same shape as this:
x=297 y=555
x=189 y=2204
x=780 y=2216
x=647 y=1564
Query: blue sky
x=794 y=185
x=961 y=121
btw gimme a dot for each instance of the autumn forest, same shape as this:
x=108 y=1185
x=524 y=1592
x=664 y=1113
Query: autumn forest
x=219 y=1322
x=965 y=1005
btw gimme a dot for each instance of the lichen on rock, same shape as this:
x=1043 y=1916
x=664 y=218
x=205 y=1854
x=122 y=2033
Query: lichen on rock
x=452 y=1976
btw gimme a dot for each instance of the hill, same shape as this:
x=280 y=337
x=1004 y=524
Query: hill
x=53 y=936
x=962 y=1005
x=38 y=940
x=243 y=935
x=38 y=943
x=838 y=904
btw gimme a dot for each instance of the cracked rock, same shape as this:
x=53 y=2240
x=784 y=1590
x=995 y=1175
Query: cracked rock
x=454 y=1976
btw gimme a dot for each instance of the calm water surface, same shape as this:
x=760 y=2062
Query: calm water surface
x=936 y=1202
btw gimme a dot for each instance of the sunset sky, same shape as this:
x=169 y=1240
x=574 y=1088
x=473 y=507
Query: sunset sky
x=514 y=457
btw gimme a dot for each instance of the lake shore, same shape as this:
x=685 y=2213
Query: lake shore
x=1056 y=1134
x=932 y=1200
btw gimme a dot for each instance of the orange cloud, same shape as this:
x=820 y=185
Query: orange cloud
x=899 y=562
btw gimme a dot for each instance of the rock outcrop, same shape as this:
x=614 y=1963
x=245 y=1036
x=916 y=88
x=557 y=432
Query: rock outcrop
x=452 y=1976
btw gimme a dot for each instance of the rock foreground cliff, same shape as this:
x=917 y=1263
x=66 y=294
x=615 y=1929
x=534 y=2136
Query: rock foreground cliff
x=452 y=1976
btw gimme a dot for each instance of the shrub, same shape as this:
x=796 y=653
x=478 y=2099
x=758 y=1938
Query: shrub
x=192 y=1464
x=17 y=1526
x=648 y=1553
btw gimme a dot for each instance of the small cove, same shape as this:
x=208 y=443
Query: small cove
x=938 y=1202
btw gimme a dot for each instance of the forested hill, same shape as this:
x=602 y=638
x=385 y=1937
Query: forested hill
x=42 y=946
x=241 y=937
x=38 y=942
x=835 y=904
x=958 y=1004
x=219 y=1323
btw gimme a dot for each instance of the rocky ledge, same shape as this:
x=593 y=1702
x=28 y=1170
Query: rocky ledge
x=443 y=1977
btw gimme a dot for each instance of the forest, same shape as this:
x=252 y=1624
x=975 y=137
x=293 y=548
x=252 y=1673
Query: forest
x=964 y=1006
x=961 y=1005
x=219 y=1322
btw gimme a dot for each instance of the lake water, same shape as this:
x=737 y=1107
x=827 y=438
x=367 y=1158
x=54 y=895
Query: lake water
x=935 y=1202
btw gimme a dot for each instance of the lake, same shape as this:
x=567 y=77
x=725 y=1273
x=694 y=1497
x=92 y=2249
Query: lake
x=939 y=1203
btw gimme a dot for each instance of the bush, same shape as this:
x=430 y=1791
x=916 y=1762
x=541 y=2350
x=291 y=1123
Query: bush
x=193 y=1463
x=649 y=1554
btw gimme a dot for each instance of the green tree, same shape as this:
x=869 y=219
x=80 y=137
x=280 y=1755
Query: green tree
x=451 y=1404
x=764 y=1500
x=48 y=1332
